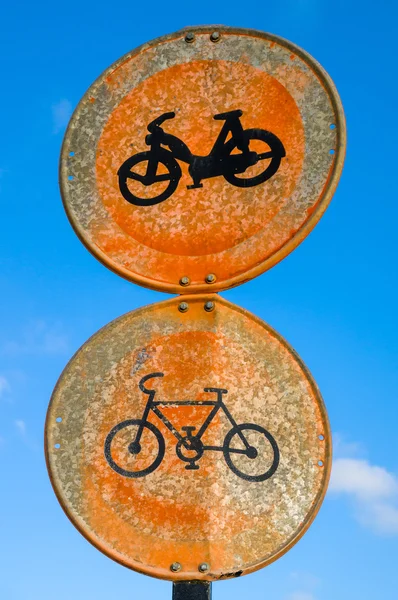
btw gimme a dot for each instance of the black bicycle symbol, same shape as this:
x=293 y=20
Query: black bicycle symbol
x=221 y=161
x=256 y=459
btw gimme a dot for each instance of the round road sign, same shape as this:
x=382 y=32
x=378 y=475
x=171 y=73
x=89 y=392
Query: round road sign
x=187 y=440
x=202 y=158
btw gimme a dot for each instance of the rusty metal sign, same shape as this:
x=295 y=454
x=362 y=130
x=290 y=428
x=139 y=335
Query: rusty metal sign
x=202 y=158
x=188 y=441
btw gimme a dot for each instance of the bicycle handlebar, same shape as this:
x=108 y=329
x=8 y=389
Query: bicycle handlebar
x=144 y=379
x=157 y=122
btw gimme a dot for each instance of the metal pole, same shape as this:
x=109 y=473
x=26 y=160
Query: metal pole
x=192 y=590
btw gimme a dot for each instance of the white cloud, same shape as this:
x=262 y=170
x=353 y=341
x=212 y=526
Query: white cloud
x=5 y=387
x=343 y=448
x=373 y=490
x=39 y=337
x=21 y=426
x=362 y=480
x=61 y=113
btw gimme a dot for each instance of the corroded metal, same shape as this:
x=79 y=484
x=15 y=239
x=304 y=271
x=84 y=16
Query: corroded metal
x=184 y=501
x=223 y=228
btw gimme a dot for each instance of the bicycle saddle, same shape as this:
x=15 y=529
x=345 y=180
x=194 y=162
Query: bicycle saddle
x=227 y=115
x=157 y=122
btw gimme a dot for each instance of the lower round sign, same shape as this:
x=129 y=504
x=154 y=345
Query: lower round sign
x=187 y=440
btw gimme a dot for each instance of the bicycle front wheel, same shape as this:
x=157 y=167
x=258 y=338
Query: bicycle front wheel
x=141 y=189
x=258 y=460
x=130 y=458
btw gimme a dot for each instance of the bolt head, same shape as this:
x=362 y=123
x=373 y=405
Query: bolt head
x=215 y=36
x=183 y=307
x=209 y=306
x=185 y=280
x=210 y=278
x=175 y=567
x=203 y=567
x=189 y=38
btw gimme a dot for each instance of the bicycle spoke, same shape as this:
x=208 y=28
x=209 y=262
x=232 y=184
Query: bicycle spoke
x=264 y=155
x=237 y=451
x=163 y=177
x=136 y=177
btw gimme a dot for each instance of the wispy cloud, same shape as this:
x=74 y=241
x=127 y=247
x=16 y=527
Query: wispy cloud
x=301 y=596
x=305 y=584
x=344 y=448
x=21 y=427
x=26 y=437
x=372 y=490
x=61 y=113
x=39 y=337
x=5 y=387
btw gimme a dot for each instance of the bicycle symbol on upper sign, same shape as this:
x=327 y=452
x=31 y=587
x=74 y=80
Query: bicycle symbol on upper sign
x=160 y=165
x=249 y=450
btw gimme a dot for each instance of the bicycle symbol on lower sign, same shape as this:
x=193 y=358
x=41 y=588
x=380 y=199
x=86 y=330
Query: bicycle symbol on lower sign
x=159 y=165
x=249 y=450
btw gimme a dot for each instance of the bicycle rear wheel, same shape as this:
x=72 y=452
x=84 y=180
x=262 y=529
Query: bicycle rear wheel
x=272 y=153
x=256 y=463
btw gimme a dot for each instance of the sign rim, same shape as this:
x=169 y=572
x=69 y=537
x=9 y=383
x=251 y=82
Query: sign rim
x=294 y=241
x=159 y=572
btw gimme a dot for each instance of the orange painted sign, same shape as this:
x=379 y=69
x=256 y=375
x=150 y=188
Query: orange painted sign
x=186 y=440
x=199 y=160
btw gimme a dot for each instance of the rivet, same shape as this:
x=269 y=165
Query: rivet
x=203 y=567
x=183 y=307
x=190 y=37
x=175 y=567
x=209 y=306
x=185 y=280
x=210 y=278
x=215 y=36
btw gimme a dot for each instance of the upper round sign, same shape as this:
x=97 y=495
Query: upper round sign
x=202 y=158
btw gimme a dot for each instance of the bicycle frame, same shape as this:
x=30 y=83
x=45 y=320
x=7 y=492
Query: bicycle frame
x=218 y=404
x=180 y=150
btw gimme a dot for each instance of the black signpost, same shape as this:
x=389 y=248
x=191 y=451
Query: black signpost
x=192 y=590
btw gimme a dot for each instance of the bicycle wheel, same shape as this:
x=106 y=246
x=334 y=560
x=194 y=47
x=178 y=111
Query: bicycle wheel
x=256 y=463
x=130 y=458
x=273 y=154
x=171 y=174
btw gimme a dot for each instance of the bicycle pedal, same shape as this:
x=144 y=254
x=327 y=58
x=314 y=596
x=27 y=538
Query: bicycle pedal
x=193 y=186
x=192 y=467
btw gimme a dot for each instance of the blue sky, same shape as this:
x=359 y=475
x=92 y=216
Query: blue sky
x=334 y=298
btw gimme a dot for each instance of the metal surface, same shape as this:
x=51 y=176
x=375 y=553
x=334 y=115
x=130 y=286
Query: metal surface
x=192 y=590
x=175 y=440
x=251 y=199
